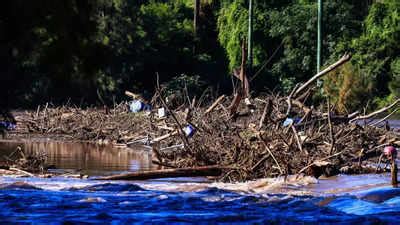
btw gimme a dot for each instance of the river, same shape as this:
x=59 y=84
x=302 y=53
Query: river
x=362 y=199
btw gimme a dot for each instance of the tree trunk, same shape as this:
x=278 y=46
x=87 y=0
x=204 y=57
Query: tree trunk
x=168 y=173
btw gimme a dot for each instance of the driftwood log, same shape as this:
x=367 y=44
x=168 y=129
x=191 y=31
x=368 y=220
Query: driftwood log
x=168 y=173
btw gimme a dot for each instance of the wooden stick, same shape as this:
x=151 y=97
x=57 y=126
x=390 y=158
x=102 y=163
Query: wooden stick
x=296 y=136
x=235 y=103
x=393 y=172
x=193 y=103
x=215 y=104
x=259 y=162
x=172 y=147
x=181 y=132
x=135 y=96
x=244 y=90
x=330 y=128
x=21 y=171
x=340 y=62
x=300 y=105
x=267 y=110
x=158 y=139
x=289 y=100
x=303 y=97
x=306 y=115
x=165 y=127
x=270 y=152
x=354 y=114
x=385 y=118
x=168 y=173
x=376 y=112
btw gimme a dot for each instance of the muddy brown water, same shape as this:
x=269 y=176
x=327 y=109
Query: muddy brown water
x=89 y=158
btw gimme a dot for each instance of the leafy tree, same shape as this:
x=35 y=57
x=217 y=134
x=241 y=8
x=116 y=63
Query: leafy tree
x=53 y=47
x=92 y=51
x=348 y=88
x=377 y=48
x=292 y=24
x=394 y=84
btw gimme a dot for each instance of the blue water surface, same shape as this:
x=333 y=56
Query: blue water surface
x=129 y=203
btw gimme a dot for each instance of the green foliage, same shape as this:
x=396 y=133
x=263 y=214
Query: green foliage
x=90 y=51
x=80 y=49
x=394 y=84
x=294 y=25
x=348 y=88
x=147 y=38
x=193 y=84
x=232 y=27
x=376 y=50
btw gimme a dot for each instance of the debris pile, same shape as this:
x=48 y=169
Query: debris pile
x=274 y=136
x=72 y=123
x=248 y=138
x=24 y=164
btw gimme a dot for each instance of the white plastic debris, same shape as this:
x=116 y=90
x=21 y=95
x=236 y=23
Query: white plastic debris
x=247 y=101
x=161 y=112
x=288 y=122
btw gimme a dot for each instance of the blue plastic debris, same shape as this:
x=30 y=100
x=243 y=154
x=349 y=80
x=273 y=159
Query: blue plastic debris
x=147 y=107
x=8 y=125
x=189 y=130
x=290 y=121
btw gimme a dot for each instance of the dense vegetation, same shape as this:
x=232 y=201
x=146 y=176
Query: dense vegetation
x=89 y=52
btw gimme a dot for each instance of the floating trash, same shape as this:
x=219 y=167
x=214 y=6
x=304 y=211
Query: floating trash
x=8 y=125
x=390 y=151
x=136 y=106
x=147 y=107
x=290 y=121
x=189 y=130
x=161 y=112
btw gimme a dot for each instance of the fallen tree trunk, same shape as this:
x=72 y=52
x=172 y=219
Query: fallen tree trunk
x=376 y=112
x=168 y=173
x=340 y=62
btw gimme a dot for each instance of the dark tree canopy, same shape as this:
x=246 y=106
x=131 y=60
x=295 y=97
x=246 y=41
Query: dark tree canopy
x=90 y=52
